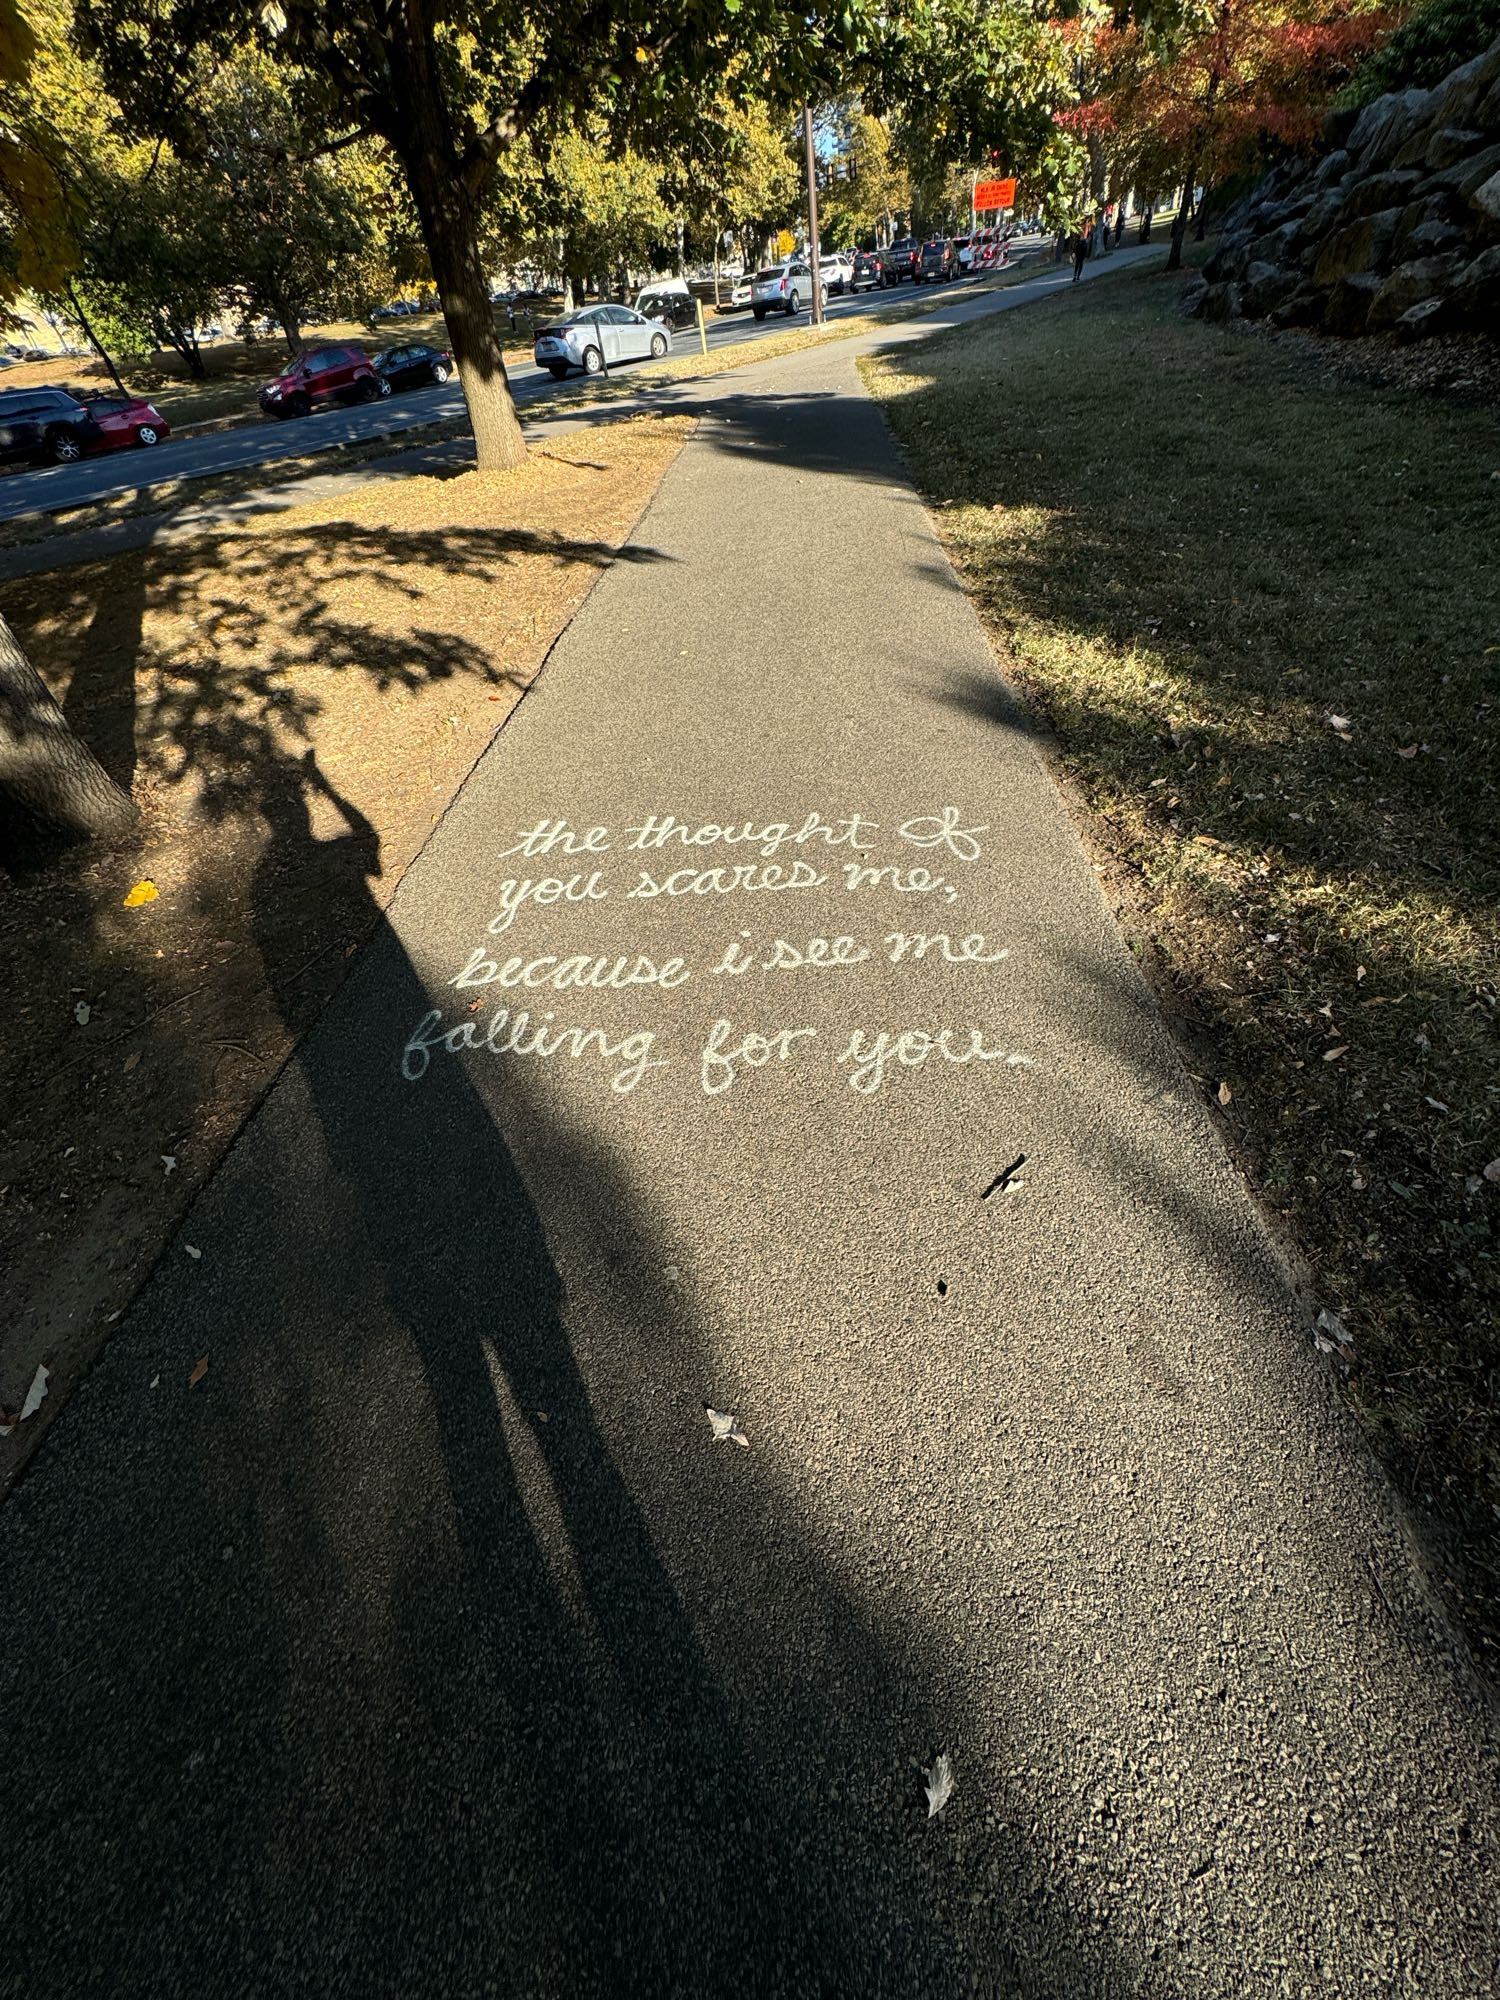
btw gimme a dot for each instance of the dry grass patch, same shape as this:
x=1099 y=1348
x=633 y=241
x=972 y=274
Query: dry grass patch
x=292 y=705
x=1257 y=602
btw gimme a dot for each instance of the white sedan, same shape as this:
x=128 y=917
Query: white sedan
x=597 y=337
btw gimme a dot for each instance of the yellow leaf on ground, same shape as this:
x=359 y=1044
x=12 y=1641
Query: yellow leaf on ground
x=143 y=892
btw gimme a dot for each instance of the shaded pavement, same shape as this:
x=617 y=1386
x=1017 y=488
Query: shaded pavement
x=431 y=1644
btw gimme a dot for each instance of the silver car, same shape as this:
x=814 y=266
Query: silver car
x=598 y=336
x=783 y=288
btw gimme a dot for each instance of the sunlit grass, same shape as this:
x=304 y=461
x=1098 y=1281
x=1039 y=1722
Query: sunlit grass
x=1196 y=548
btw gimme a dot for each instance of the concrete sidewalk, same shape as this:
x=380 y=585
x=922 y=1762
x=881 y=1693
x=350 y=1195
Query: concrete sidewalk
x=433 y=1644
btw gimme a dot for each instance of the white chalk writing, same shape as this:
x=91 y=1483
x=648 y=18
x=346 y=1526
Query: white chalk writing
x=911 y=1048
x=517 y=1035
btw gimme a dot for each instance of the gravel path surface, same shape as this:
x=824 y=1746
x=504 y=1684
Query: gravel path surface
x=432 y=1644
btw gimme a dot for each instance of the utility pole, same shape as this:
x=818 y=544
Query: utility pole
x=814 y=255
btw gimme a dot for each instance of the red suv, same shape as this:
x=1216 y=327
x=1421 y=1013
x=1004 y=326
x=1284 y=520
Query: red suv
x=323 y=375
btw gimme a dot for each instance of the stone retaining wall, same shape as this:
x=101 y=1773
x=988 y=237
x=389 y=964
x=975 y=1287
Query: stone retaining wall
x=1397 y=227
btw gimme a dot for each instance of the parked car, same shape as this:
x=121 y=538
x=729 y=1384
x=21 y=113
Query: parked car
x=122 y=421
x=783 y=288
x=413 y=367
x=670 y=301
x=48 y=426
x=867 y=272
x=937 y=263
x=902 y=260
x=596 y=336
x=323 y=375
x=836 y=270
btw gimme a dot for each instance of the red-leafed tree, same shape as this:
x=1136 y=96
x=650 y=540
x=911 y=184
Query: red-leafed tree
x=1195 y=93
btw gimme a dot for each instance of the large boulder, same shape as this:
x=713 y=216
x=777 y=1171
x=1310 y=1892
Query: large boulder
x=1324 y=213
x=1361 y=246
x=1465 y=175
x=1431 y=316
x=1349 y=303
x=1427 y=226
x=1460 y=95
x=1303 y=307
x=1384 y=127
x=1475 y=293
x=1329 y=170
x=1219 y=302
x=1449 y=144
x=1388 y=190
x=1486 y=198
x=1409 y=284
x=1266 y=286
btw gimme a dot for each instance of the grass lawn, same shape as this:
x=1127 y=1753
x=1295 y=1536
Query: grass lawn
x=292 y=702
x=1257 y=601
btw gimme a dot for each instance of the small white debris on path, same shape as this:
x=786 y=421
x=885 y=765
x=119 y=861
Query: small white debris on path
x=726 y=1430
x=35 y=1396
x=939 y=1785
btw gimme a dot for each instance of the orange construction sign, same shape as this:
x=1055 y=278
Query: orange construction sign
x=994 y=194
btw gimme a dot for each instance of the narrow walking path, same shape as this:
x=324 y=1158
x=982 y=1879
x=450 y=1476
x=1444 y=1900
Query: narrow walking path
x=751 y=1038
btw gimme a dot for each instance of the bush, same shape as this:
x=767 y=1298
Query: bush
x=1436 y=39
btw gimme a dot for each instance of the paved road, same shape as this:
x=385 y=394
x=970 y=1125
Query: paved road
x=432 y=1644
x=50 y=488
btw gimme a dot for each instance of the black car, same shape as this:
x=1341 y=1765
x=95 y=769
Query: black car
x=903 y=260
x=869 y=271
x=938 y=262
x=44 y=424
x=414 y=366
x=677 y=309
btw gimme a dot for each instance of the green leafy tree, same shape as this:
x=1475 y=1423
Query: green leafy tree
x=45 y=770
x=454 y=86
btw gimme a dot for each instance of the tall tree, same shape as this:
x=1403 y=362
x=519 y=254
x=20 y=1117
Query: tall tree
x=44 y=767
x=452 y=86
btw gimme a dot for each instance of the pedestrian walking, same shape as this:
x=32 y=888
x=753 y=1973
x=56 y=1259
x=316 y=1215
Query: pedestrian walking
x=1080 y=250
x=1119 y=224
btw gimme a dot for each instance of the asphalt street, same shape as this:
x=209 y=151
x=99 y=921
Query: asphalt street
x=48 y=488
x=751 y=1049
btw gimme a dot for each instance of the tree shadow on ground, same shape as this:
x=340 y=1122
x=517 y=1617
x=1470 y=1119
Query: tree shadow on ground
x=429 y=1643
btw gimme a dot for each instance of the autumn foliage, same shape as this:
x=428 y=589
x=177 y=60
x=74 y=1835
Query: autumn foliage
x=1226 y=84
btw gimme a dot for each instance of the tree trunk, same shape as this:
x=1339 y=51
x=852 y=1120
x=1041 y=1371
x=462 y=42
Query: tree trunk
x=287 y=317
x=1199 y=221
x=452 y=240
x=94 y=341
x=1180 y=220
x=43 y=765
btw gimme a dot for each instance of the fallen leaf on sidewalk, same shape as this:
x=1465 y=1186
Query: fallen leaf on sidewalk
x=1340 y=724
x=939 y=1785
x=193 y=1251
x=143 y=892
x=1332 y=1055
x=81 y=1013
x=726 y=1430
x=1225 y=1093
x=169 y=1163
x=35 y=1396
x=200 y=1369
